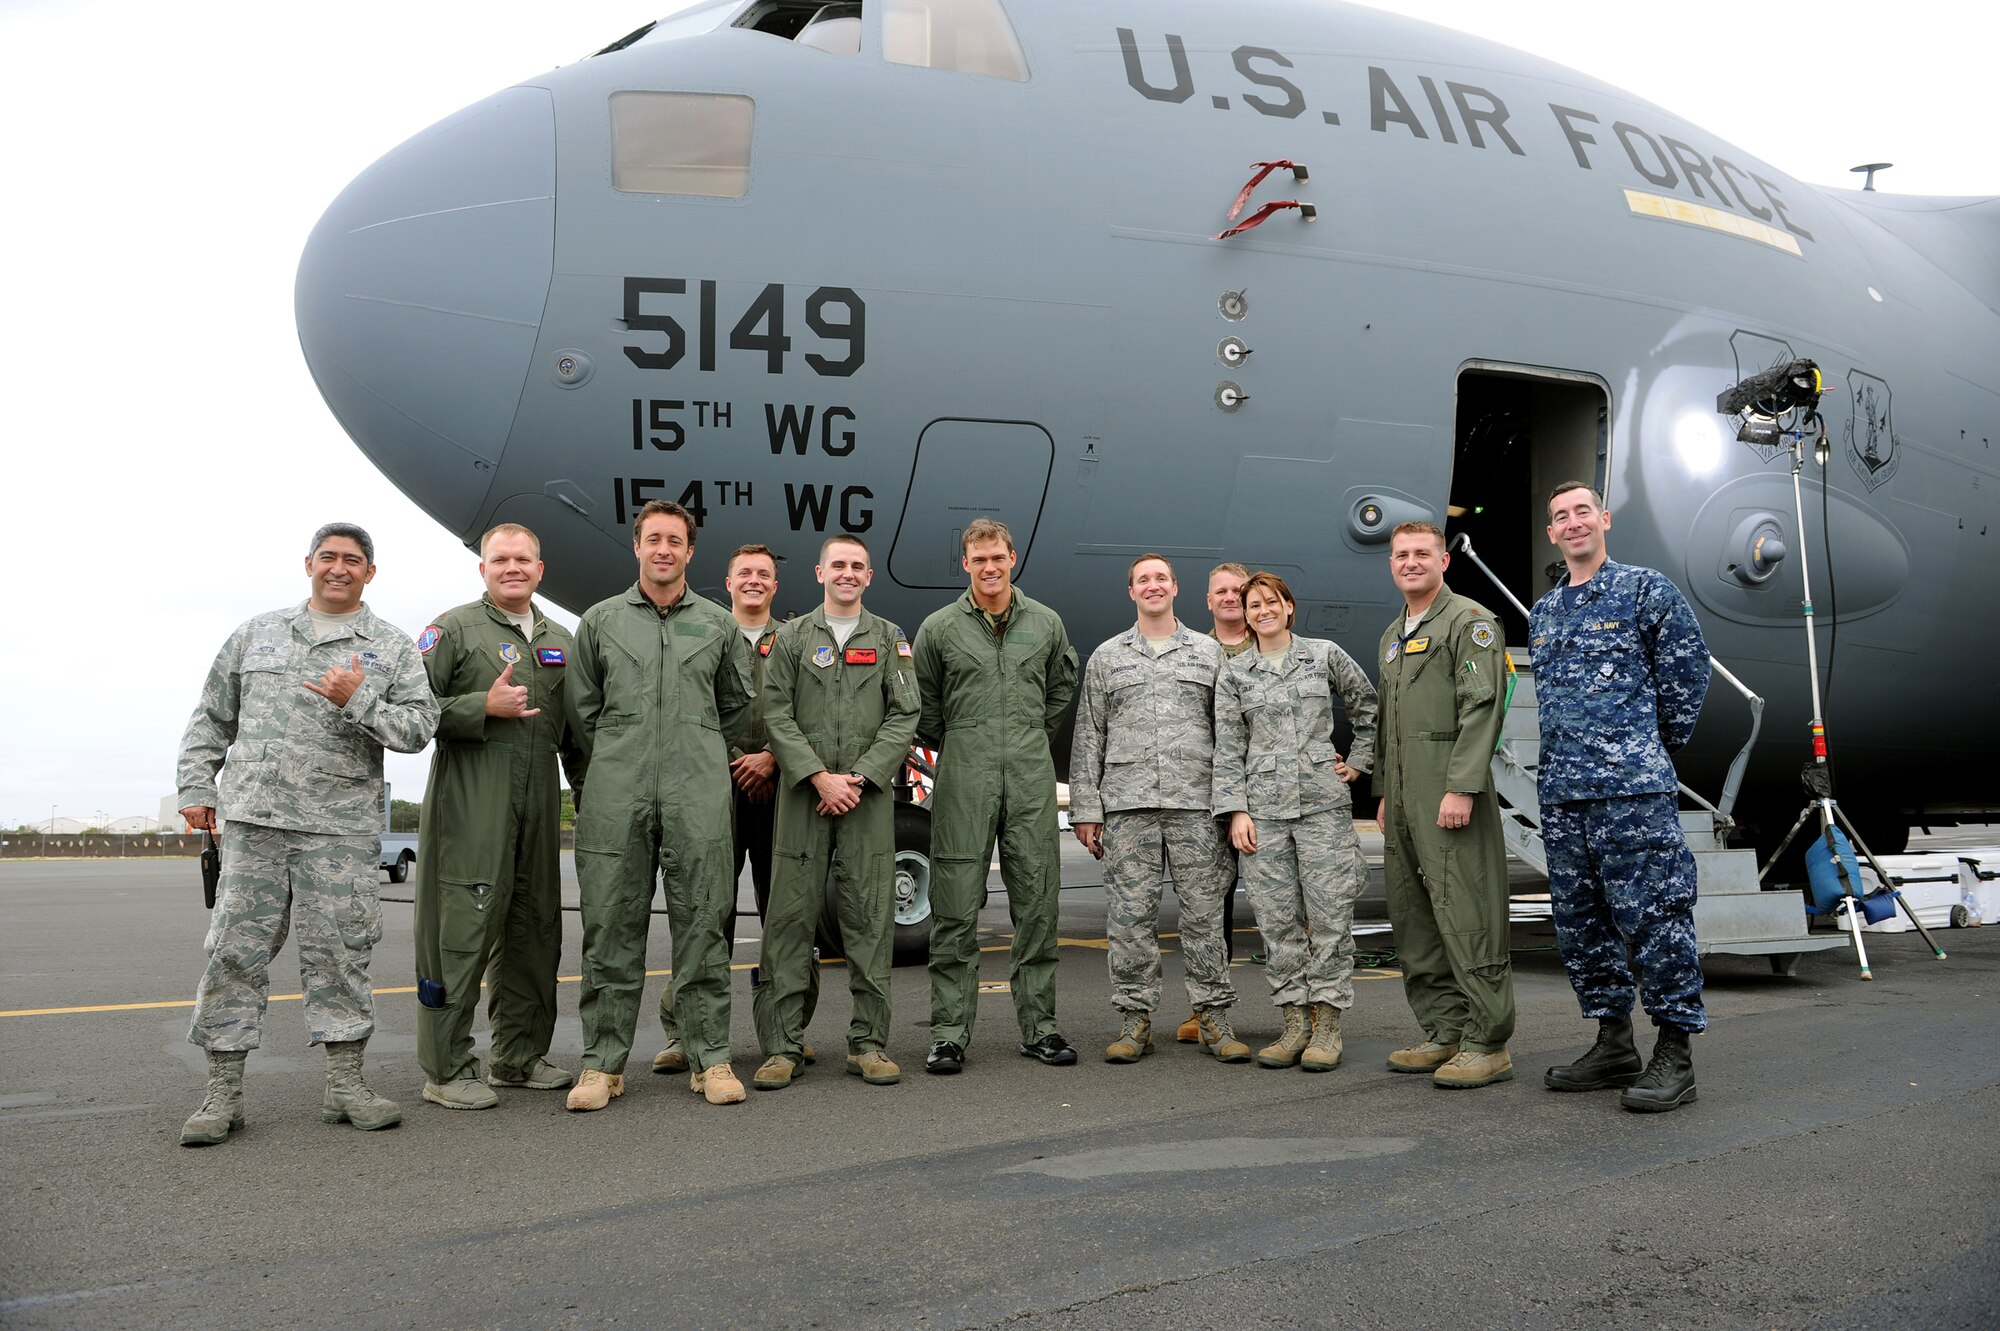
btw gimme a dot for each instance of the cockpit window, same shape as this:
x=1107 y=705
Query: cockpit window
x=969 y=36
x=835 y=29
x=681 y=143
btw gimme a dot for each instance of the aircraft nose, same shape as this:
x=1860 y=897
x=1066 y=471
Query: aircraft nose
x=420 y=294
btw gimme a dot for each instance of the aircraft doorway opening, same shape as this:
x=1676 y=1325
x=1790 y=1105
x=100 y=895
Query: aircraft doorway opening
x=1519 y=432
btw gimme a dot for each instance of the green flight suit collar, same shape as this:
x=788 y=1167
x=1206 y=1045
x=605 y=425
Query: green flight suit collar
x=637 y=596
x=536 y=619
x=988 y=621
x=816 y=617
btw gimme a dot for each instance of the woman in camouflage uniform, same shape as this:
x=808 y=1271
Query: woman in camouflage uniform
x=1284 y=789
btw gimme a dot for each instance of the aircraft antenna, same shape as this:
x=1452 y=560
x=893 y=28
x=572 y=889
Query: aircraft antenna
x=1871 y=168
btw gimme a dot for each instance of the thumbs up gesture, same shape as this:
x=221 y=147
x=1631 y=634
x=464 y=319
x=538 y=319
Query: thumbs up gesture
x=338 y=685
x=506 y=698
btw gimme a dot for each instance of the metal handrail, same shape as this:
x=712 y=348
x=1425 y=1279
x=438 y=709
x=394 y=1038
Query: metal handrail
x=1732 y=782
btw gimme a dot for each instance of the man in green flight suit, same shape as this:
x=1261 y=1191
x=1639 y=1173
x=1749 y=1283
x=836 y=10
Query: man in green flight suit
x=840 y=709
x=1444 y=674
x=489 y=879
x=752 y=581
x=658 y=693
x=996 y=673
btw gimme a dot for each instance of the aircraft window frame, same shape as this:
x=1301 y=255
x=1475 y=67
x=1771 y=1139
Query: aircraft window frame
x=966 y=22
x=659 y=150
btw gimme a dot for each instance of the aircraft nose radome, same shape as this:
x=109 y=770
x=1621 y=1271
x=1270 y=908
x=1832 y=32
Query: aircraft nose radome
x=420 y=295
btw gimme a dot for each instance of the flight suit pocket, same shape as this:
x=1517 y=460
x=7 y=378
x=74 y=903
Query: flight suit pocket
x=462 y=922
x=360 y=919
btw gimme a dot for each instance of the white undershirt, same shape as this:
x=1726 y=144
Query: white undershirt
x=525 y=623
x=1410 y=624
x=752 y=633
x=843 y=626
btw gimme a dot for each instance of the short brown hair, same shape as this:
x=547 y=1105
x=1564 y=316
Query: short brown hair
x=1133 y=567
x=985 y=529
x=1277 y=587
x=846 y=538
x=1238 y=569
x=1567 y=486
x=653 y=509
x=510 y=529
x=1416 y=528
x=729 y=567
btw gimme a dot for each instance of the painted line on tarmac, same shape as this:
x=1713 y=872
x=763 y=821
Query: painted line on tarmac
x=1096 y=944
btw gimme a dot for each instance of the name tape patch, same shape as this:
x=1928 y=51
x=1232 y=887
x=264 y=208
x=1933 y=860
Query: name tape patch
x=550 y=656
x=861 y=656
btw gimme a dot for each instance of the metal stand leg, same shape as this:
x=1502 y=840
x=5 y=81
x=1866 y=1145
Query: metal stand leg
x=1883 y=874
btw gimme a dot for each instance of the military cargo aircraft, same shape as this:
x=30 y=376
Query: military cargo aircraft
x=1252 y=281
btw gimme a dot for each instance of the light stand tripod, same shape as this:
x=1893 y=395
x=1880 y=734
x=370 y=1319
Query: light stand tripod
x=1818 y=777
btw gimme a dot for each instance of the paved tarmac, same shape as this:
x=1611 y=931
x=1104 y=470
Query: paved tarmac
x=1838 y=1170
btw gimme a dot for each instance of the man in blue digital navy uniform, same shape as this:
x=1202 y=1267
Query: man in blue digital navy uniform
x=1620 y=674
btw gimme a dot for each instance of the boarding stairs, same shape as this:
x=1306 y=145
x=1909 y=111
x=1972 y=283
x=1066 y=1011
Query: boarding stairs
x=1732 y=912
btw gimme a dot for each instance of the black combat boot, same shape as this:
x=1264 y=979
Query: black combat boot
x=1612 y=1061
x=1668 y=1082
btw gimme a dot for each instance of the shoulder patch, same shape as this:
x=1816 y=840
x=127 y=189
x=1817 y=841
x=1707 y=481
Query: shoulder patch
x=429 y=639
x=902 y=648
x=1483 y=634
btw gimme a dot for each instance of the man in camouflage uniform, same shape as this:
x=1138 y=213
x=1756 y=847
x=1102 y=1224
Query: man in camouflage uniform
x=489 y=880
x=997 y=674
x=1284 y=788
x=1620 y=674
x=752 y=580
x=1141 y=770
x=301 y=704
x=840 y=709
x=659 y=690
x=1443 y=697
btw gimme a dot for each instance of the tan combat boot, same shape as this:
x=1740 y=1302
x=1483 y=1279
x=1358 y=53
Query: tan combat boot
x=595 y=1089
x=1219 y=1038
x=718 y=1085
x=221 y=1109
x=1322 y=1051
x=777 y=1072
x=671 y=1059
x=1134 y=1042
x=1285 y=1051
x=1426 y=1057
x=1189 y=1031
x=1469 y=1068
x=465 y=1093
x=874 y=1067
x=349 y=1099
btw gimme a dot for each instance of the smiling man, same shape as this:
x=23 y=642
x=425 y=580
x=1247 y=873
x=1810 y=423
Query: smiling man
x=489 y=879
x=658 y=693
x=294 y=716
x=1141 y=775
x=840 y=709
x=997 y=674
x=1443 y=671
x=1620 y=674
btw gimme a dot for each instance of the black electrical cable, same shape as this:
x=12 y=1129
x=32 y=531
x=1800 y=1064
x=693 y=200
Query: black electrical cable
x=1832 y=593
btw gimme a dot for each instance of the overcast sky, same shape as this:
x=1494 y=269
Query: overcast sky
x=166 y=453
